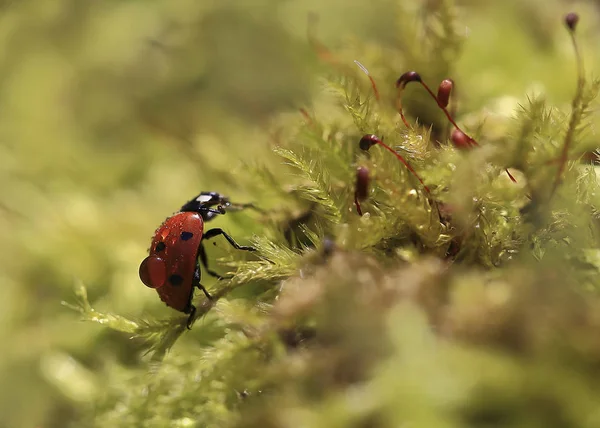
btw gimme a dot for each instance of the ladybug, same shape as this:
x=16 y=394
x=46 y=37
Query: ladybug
x=172 y=266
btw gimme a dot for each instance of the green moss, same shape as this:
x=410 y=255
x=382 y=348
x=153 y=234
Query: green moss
x=472 y=304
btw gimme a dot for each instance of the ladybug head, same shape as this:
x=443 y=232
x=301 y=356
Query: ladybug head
x=207 y=204
x=213 y=199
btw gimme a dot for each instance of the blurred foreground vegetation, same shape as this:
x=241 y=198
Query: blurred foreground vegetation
x=112 y=114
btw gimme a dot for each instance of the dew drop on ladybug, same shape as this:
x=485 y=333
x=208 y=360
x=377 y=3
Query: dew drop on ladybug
x=153 y=272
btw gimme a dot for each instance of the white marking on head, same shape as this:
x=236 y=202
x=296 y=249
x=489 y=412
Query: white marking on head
x=204 y=198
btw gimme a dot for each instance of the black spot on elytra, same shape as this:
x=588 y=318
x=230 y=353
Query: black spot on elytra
x=186 y=235
x=160 y=247
x=175 y=280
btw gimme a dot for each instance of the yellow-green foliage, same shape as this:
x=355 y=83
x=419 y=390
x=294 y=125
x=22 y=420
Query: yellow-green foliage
x=473 y=305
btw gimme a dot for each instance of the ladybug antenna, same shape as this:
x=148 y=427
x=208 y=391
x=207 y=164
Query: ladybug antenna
x=250 y=205
x=373 y=84
x=369 y=140
x=361 y=190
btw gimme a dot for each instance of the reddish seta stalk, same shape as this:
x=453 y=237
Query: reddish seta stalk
x=373 y=84
x=571 y=21
x=369 y=140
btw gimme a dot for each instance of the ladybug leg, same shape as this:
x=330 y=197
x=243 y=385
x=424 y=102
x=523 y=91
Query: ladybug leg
x=196 y=282
x=204 y=260
x=218 y=231
x=191 y=317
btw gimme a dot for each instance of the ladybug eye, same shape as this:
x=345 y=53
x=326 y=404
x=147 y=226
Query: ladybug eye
x=153 y=272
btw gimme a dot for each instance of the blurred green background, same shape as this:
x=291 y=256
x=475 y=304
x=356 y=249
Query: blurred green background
x=113 y=113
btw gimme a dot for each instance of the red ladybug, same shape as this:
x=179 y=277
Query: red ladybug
x=172 y=267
